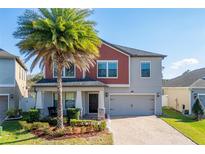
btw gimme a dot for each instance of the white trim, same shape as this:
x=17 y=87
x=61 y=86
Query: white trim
x=190 y=104
x=8 y=95
x=141 y=69
x=107 y=61
x=89 y=101
x=14 y=73
x=144 y=94
x=129 y=71
x=7 y=85
x=63 y=76
x=197 y=87
x=201 y=94
x=118 y=85
x=116 y=49
x=176 y=87
x=136 y=94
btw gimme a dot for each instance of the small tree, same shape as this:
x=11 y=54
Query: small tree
x=197 y=109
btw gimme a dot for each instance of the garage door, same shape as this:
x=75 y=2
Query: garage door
x=3 y=106
x=131 y=105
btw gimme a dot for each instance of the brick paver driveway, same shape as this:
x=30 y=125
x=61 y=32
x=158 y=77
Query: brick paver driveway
x=145 y=130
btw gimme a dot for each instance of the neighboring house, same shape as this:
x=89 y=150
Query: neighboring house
x=182 y=91
x=12 y=82
x=124 y=81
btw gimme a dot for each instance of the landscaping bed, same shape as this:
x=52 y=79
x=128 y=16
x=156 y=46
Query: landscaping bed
x=76 y=128
x=13 y=133
x=32 y=129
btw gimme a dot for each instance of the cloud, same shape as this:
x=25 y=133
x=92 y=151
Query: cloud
x=184 y=62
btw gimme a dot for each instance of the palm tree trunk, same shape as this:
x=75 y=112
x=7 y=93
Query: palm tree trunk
x=60 y=103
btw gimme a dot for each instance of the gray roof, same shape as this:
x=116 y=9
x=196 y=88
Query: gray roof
x=134 y=52
x=5 y=54
x=70 y=82
x=199 y=83
x=187 y=79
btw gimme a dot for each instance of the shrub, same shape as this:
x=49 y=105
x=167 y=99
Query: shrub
x=25 y=116
x=58 y=132
x=91 y=125
x=197 y=109
x=80 y=123
x=53 y=120
x=34 y=126
x=12 y=113
x=26 y=126
x=186 y=112
x=33 y=115
x=73 y=113
x=39 y=126
x=102 y=125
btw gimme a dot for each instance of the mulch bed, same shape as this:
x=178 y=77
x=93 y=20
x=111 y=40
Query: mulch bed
x=41 y=134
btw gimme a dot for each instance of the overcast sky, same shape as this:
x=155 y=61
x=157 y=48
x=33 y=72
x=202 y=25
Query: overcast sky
x=177 y=33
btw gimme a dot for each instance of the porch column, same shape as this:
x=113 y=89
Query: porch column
x=101 y=105
x=39 y=101
x=79 y=103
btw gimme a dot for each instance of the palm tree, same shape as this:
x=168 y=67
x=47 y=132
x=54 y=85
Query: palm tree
x=61 y=36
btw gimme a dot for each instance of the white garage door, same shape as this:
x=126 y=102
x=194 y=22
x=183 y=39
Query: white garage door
x=131 y=105
x=3 y=106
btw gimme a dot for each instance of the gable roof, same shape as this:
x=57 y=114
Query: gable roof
x=5 y=54
x=134 y=52
x=187 y=79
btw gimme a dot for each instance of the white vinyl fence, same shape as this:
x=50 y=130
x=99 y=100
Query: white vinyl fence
x=164 y=100
x=26 y=103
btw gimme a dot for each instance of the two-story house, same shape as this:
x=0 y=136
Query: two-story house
x=12 y=82
x=124 y=81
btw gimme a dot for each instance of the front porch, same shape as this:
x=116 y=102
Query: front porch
x=90 y=100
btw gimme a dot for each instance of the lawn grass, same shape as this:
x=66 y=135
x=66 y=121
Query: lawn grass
x=14 y=134
x=195 y=130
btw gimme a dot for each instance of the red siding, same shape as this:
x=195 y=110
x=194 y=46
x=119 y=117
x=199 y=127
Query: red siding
x=106 y=53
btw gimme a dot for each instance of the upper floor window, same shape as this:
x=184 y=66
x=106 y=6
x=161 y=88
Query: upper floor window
x=107 y=69
x=145 y=69
x=66 y=72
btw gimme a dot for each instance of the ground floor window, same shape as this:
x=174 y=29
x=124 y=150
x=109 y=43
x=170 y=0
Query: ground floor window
x=68 y=99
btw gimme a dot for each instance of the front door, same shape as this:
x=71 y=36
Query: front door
x=93 y=103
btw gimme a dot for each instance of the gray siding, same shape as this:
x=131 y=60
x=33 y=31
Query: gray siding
x=142 y=85
x=13 y=101
x=7 y=71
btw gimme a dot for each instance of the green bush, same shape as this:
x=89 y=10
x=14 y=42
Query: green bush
x=102 y=125
x=26 y=126
x=93 y=125
x=73 y=113
x=197 y=109
x=34 y=126
x=33 y=115
x=58 y=132
x=81 y=123
x=52 y=120
x=25 y=116
x=12 y=113
x=39 y=125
